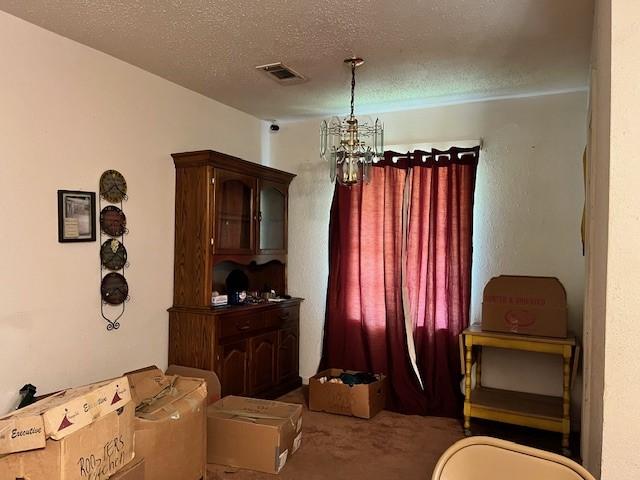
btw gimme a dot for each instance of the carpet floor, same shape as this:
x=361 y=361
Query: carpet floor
x=336 y=447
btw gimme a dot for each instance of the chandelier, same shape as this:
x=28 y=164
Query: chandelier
x=351 y=145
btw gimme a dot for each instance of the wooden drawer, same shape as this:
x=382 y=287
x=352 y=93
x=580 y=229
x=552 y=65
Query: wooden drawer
x=234 y=325
x=281 y=317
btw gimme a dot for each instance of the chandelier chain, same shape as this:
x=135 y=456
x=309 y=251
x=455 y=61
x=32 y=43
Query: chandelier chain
x=353 y=84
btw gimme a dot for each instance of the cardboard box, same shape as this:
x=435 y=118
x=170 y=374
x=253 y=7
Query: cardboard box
x=94 y=452
x=61 y=414
x=21 y=432
x=170 y=424
x=212 y=380
x=133 y=471
x=253 y=434
x=526 y=305
x=363 y=401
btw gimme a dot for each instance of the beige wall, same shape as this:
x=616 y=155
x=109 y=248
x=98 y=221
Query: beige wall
x=67 y=113
x=529 y=201
x=621 y=415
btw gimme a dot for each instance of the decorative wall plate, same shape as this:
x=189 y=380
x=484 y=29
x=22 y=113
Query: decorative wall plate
x=113 y=187
x=114 y=289
x=113 y=254
x=113 y=221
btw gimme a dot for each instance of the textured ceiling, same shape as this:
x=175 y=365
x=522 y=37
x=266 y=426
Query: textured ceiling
x=417 y=51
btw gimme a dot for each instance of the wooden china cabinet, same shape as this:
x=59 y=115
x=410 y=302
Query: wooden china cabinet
x=232 y=215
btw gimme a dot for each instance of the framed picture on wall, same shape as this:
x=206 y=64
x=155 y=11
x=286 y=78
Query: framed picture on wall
x=76 y=216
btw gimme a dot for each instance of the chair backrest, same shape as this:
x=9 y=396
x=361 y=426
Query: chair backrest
x=486 y=458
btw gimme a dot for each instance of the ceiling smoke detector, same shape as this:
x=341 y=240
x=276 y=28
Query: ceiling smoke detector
x=281 y=73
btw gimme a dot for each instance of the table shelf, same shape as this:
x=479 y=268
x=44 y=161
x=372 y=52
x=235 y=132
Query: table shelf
x=526 y=409
x=520 y=408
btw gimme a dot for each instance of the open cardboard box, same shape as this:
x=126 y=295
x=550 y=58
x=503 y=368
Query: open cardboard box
x=170 y=424
x=252 y=433
x=363 y=401
x=95 y=451
x=525 y=305
x=210 y=378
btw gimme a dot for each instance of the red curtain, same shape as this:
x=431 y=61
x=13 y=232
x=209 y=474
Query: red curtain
x=364 y=328
x=438 y=272
x=414 y=216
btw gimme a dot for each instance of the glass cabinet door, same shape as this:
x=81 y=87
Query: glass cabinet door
x=273 y=217
x=235 y=221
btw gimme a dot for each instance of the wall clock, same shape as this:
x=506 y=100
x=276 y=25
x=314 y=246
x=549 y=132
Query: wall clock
x=113 y=254
x=113 y=187
x=113 y=221
x=114 y=288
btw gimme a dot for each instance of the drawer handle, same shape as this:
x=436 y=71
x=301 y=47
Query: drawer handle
x=284 y=316
x=246 y=326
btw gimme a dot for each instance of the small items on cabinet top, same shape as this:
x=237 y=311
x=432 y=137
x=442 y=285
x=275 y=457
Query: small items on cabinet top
x=250 y=284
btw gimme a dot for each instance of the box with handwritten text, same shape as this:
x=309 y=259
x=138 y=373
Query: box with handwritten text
x=94 y=452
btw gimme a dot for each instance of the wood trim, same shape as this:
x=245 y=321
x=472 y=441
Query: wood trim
x=232 y=309
x=192 y=238
x=228 y=162
x=245 y=259
x=512 y=344
x=477 y=332
x=211 y=210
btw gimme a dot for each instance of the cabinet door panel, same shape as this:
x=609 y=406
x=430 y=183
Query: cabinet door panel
x=234 y=368
x=235 y=218
x=287 y=354
x=262 y=362
x=272 y=216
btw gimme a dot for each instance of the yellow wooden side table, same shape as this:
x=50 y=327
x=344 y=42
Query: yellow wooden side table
x=526 y=409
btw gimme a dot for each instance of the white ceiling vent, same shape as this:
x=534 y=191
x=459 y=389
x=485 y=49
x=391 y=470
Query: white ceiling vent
x=281 y=73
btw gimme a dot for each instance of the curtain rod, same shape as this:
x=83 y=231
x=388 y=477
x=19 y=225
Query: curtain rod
x=410 y=146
